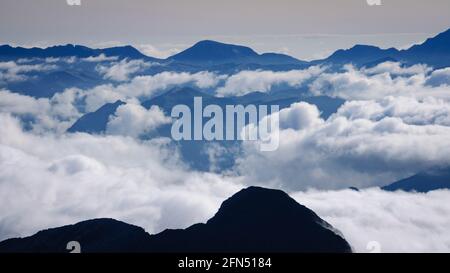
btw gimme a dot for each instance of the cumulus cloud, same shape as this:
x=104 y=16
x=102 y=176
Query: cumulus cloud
x=399 y=125
x=12 y=72
x=48 y=180
x=41 y=115
x=61 y=111
x=439 y=77
x=151 y=50
x=121 y=71
x=366 y=143
x=246 y=82
x=387 y=79
x=141 y=87
x=397 y=221
x=411 y=111
x=397 y=69
x=384 y=79
x=134 y=120
x=100 y=58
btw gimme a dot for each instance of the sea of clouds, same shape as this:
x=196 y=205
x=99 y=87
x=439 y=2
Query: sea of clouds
x=395 y=123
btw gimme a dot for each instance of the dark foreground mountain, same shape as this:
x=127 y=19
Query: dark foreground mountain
x=253 y=220
x=423 y=182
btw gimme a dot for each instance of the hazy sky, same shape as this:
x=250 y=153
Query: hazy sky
x=303 y=28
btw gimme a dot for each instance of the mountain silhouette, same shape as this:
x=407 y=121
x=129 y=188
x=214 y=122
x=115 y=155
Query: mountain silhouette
x=95 y=122
x=71 y=50
x=195 y=153
x=434 y=52
x=213 y=53
x=253 y=220
x=423 y=182
x=228 y=57
x=360 y=54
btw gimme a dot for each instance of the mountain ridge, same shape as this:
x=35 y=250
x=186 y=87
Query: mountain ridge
x=254 y=219
x=434 y=51
x=425 y=181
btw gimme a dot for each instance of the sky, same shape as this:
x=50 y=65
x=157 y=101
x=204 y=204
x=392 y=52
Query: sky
x=306 y=29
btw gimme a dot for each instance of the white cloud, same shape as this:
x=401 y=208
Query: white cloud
x=48 y=181
x=100 y=58
x=397 y=69
x=141 y=87
x=246 y=82
x=399 y=222
x=410 y=110
x=134 y=120
x=11 y=71
x=439 y=77
x=42 y=115
x=153 y=51
x=364 y=144
x=387 y=79
x=77 y=177
x=122 y=70
x=400 y=126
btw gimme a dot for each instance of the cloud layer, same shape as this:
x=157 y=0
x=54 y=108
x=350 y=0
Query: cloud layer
x=77 y=177
x=134 y=120
x=395 y=123
x=366 y=143
x=52 y=180
x=397 y=222
x=122 y=70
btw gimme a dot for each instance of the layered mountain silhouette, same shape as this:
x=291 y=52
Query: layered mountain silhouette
x=71 y=50
x=95 y=122
x=430 y=180
x=208 y=55
x=253 y=220
x=195 y=153
x=434 y=51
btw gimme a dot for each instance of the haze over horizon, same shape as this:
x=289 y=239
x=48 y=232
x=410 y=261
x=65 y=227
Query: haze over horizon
x=304 y=29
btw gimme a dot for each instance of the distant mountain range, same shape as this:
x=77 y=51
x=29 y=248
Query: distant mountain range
x=213 y=53
x=195 y=153
x=253 y=220
x=203 y=56
x=70 y=50
x=434 y=51
x=426 y=181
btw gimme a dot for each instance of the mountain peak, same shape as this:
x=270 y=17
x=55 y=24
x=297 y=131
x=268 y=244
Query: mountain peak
x=209 y=51
x=255 y=205
x=361 y=54
x=425 y=181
